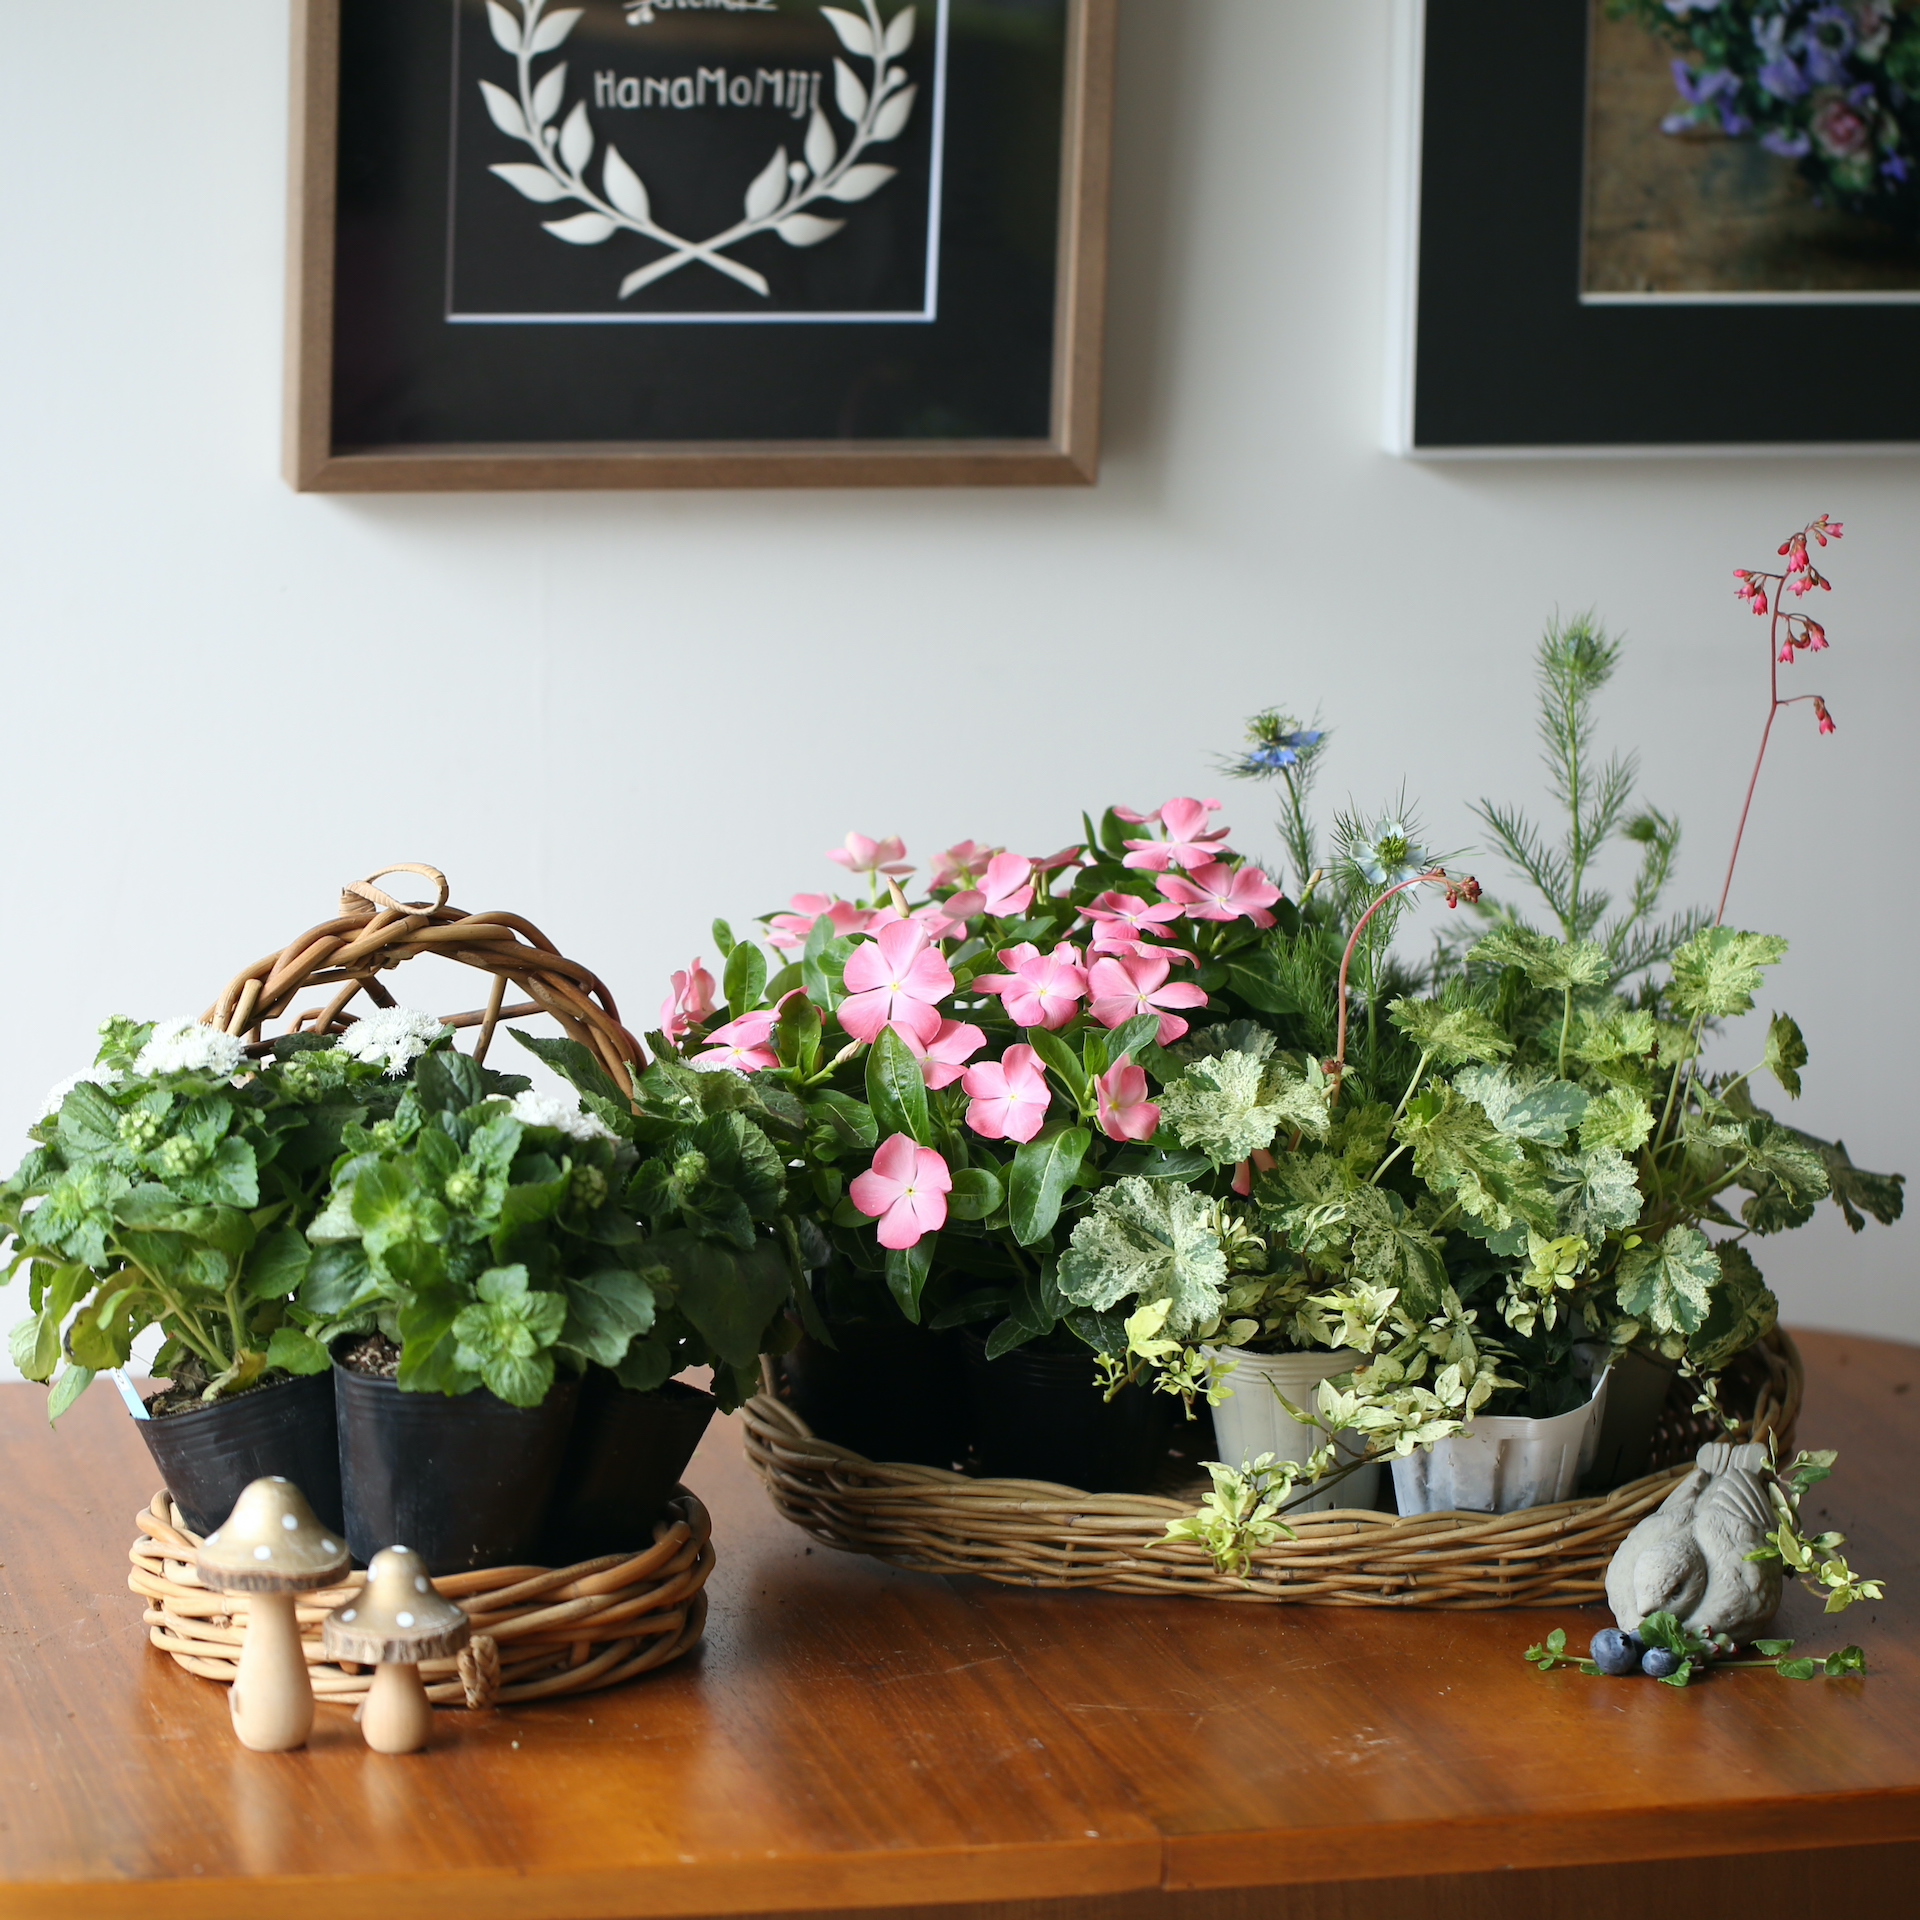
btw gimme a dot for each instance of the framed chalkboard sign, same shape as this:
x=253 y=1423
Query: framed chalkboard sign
x=656 y=243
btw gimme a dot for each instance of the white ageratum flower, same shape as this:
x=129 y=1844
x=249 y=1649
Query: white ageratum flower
x=533 y=1109
x=185 y=1046
x=391 y=1037
x=89 y=1077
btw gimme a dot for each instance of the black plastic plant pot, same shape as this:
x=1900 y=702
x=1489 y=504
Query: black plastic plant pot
x=1636 y=1397
x=208 y=1455
x=1043 y=1416
x=889 y=1390
x=623 y=1462
x=465 y=1480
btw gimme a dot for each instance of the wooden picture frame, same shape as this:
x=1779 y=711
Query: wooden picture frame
x=1501 y=349
x=1067 y=454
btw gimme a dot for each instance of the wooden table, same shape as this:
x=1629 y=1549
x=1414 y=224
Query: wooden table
x=857 y=1738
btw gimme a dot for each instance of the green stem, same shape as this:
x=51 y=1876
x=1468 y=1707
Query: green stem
x=1413 y=1087
x=1566 y=1026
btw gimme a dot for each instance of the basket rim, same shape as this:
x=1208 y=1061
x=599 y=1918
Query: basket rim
x=1037 y=1533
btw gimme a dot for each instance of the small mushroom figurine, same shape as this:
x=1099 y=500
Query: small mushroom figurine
x=269 y=1548
x=395 y=1621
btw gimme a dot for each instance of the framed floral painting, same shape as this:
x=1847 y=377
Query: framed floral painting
x=1637 y=225
x=632 y=243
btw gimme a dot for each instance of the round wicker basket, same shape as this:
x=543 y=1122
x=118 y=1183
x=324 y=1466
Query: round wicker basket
x=1027 y=1533
x=373 y=933
x=537 y=1631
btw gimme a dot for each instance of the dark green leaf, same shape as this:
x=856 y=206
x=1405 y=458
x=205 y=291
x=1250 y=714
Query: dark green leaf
x=73 y=1382
x=746 y=979
x=447 y=1082
x=797 y=1037
x=897 y=1090
x=723 y=938
x=1061 y=1058
x=1847 y=1660
x=1772 y=1649
x=1797 y=1669
x=293 y=1350
x=278 y=1267
x=606 y=1313
x=1035 y=1311
x=907 y=1270
x=579 y=1066
x=976 y=1193
x=730 y=1297
x=1043 y=1169
x=338 y=1281
x=850 y=1119
x=649 y=1365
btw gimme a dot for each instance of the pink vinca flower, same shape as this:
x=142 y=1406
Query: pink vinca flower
x=1123 y=921
x=1005 y=890
x=944 y=1059
x=1220 y=892
x=861 y=855
x=1043 y=990
x=1009 y=1096
x=740 y=1045
x=689 y=1004
x=789 y=931
x=1125 y=988
x=1185 y=845
x=1125 y=1112
x=895 y=979
x=1057 y=862
x=961 y=865
x=906 y=1190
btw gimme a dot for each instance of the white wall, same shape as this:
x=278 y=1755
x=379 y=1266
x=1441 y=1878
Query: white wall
x=625 y=714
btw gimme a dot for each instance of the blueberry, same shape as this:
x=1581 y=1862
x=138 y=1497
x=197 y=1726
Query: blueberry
x=1615 y=1652
x=1659 y=1662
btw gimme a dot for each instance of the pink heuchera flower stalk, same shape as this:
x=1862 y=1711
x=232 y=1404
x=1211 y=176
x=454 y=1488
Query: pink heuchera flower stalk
x=906 y=1190
x=861 y=855
x=961 y=865
x=689 y=1004
x=1220 y=892
x=1185 y=845
x=1004 y=891
x=789 y=931
x=944 y=1059
x=1124 y=988
x=1043 y=990
x=740 y=1045
x=894 y=979
x=1009 y=1095
x=1125 y=1112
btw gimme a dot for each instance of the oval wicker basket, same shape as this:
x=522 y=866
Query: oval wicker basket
x=537 y=1631
x=1027 y=1533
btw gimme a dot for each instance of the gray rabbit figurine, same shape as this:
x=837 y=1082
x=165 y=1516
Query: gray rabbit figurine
x=1689 y=1556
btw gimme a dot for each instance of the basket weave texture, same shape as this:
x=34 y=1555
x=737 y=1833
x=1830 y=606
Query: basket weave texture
x=538 y=1632
x=1028 y=1533
x=374 y=932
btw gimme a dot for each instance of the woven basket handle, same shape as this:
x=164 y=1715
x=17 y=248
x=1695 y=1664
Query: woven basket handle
x=357 y=891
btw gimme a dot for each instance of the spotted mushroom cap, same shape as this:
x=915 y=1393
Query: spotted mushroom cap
x=397 y=1615
x=271 y=1543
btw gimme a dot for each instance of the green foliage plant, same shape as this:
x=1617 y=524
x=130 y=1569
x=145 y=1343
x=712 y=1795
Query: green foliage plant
x=1132 y=1098
x=503 y=1242
x=170 y=1185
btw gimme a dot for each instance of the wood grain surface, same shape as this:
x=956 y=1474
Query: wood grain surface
x=856 y=1738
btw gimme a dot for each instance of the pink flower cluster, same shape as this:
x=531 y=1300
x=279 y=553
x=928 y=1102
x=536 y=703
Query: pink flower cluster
x=898 y=976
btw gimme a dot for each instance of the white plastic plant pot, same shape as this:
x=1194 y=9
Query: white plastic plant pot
x=1502 y=1464
x=1251 y=1421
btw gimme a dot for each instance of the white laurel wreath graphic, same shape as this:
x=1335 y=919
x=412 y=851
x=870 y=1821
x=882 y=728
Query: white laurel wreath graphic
x=776 y=201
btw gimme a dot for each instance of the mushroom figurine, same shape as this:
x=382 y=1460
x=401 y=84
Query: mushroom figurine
x=393 y=1623
x=269 y=1548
